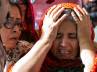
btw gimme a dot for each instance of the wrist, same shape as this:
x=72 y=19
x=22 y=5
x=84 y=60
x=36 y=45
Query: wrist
x=46 y=40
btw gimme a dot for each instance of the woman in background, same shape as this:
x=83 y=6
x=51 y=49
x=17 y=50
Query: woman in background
x=10 y=32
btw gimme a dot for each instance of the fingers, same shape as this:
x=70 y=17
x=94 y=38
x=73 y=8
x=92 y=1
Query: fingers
x=55 y=10
x=75 y=17
x=81 y=12
x=78 y=13
x=81 y=17
x=59 y=12
x=86 y=12
x=60 y=20
x=50 y=10
x=52 y=18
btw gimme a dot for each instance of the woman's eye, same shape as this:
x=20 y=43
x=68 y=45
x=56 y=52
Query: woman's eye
x=72 y=35
x=59 y=35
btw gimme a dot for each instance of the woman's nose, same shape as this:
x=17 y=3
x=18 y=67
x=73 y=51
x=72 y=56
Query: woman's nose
x=16 y=29
x=64 y=41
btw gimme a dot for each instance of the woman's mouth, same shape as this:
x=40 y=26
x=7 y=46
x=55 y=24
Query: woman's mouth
x=14 y=38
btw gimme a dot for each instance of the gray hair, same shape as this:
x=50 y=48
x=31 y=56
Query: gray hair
x=4 y=4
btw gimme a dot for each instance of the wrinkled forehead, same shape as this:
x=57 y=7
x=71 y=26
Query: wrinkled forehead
x=67 y=24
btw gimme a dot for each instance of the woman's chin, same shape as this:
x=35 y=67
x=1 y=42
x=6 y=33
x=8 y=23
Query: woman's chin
x=66 y=58
x=10 y=46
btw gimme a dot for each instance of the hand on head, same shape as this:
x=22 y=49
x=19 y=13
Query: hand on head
x=83 y=22
x=52 y=21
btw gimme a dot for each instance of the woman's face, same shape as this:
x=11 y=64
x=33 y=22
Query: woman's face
x=66 y=44
x=10 y=36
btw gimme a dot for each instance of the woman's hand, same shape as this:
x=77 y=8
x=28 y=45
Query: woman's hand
x=83 y=21
x=52 y=21
x=84 y=32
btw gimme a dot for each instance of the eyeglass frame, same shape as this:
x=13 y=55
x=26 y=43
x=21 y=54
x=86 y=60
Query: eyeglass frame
x=10 y=23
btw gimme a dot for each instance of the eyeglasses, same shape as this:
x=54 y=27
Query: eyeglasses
x=10 y=23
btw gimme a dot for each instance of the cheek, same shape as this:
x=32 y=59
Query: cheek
x=19 y=33
x=4 y=35
x=75 y=45
x=55 y=46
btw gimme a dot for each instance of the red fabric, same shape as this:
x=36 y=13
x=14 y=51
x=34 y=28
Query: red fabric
x=51 y=61
x=29 y=20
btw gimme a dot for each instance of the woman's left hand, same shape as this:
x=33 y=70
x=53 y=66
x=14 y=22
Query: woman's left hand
x=84 y=31
x=83 y=22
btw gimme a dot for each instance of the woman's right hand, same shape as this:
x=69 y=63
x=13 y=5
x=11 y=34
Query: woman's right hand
x=51 y=22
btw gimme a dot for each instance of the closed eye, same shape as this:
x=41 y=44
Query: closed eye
x=72 y=35
x=59 y=35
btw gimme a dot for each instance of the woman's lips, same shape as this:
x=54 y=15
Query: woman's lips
x=14 y=38
x=64 y=50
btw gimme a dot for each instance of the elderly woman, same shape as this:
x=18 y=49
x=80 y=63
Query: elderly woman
x=10 y=32
x=65 y=44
